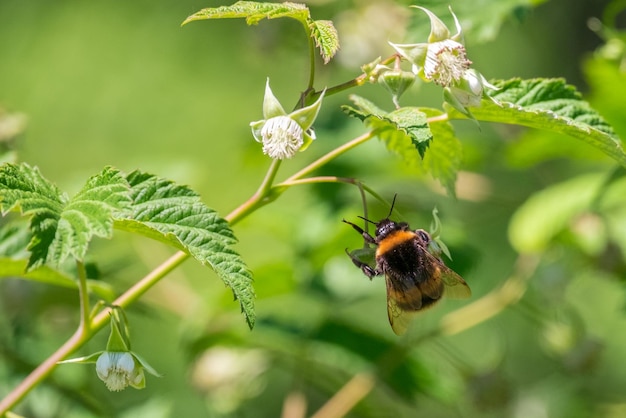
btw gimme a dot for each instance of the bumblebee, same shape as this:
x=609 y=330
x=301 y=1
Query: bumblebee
x=416 y=279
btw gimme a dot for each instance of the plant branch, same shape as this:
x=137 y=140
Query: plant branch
x=311 y=57
x=84 y=333
x=444 y=117
x=347 y=397
x=262 y=196
x=329 y=157
x=493 y=303
x=83 y=296
x=42 y=371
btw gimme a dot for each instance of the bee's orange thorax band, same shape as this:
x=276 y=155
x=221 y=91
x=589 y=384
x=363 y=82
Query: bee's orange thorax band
x=392 y=240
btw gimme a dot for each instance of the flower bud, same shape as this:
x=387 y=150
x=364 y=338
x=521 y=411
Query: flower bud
x=396 y=81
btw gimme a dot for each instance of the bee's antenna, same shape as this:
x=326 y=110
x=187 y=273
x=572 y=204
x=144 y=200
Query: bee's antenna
x=392 y=204
x=367 y=220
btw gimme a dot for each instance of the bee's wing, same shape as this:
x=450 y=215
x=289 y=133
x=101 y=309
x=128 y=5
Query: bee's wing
x=399 y=310
x=455 y=286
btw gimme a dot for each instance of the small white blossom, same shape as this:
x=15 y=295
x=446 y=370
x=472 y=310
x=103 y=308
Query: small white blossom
x=282 y=137
x=446 y=62
x=282 y=134
x=443 y=61
x=118 y=370
x=117 y=366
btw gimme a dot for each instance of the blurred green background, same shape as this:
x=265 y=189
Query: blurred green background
x=121 y=83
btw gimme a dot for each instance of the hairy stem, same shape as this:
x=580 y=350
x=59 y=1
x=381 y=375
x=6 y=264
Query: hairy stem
x=262 y=196
x=329 y=157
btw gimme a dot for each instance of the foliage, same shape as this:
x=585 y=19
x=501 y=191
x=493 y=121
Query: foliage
x=534 y=222
x=140 y=203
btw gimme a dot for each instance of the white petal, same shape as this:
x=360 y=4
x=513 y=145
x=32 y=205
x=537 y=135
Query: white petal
x=103 y=365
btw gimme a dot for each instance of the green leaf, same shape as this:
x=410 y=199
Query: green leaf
x=175 y=215
x=89 y=213
x=445 y=154
x=61 y=227
x=23 y=187
x=326 y=38
x=14 y=238
x=322 y=31
x=552 y=105
x=548 y=212
x=403 y=131
x=253 y=12
x=16 y=269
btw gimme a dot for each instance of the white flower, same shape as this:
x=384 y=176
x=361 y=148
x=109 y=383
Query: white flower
x=118 y=369
x=282 y=137
x=117 y=366
x=446 y=62
x=282 y=134
x=443 y=60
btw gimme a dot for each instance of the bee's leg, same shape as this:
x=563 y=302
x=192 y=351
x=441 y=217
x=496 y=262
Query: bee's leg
x=367 y=237
x=365 y=268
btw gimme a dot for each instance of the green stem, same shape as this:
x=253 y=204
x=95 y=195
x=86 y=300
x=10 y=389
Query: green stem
x=328 y=157
x=43 y=371
x=355 y=82
x=83 y=296
x=263 y=196
x=311 y=58
x=88 y=327
x=84 y=333
x=319 y=179
x=444 y=117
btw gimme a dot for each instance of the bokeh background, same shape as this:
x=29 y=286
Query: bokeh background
x=121 y=83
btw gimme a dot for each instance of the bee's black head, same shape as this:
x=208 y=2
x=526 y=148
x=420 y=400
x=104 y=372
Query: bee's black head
x=387 y=226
